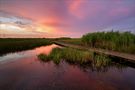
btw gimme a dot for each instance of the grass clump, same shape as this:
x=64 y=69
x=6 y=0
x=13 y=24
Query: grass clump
x=56 y=55
x=97 y=62
x=76 y=56
x=43 y=57
x=68 y=54
x=101 y=61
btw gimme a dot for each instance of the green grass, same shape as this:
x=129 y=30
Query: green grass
x=101 y=61
x=82 y=58
x=75 y=56
x=43 y=57
x=18 y=44
x=69 y=54
x=123 y=42
x=56 y=55
x=76 y=41
x=116 y=41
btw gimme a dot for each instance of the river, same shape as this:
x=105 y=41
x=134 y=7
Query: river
x=23 y=71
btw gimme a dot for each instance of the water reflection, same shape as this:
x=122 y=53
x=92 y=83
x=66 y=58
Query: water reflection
x=99 y=63
x=28 y=53
x=28 y=73
x=45 y=49
x=92 y=67
x=95 y=62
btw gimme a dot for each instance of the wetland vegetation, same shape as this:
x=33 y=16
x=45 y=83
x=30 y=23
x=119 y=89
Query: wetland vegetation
x=56 y=64
x=75 y=56
x=18 y=44
x=117 y=41
x=113 y=40
x=69 y=54
x=83 y=59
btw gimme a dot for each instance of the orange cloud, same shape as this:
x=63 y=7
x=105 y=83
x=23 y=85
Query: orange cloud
x=54 y=24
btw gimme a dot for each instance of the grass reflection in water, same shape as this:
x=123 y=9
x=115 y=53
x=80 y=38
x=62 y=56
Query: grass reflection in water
x=85 y=59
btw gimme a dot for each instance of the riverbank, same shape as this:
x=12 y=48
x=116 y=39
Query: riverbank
x=123 y=42
x=18 y=44
x=125 y=56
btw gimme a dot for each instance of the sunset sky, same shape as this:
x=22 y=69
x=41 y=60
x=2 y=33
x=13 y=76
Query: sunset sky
x=69 y=18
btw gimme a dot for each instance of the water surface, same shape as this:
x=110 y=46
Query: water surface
x=23 y=71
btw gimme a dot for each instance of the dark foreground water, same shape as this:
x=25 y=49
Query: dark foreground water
x=23 y=71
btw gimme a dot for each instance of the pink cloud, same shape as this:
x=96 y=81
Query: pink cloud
x=75 y=8
x=84 y=8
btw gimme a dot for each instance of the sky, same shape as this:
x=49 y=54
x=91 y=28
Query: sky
x=64 y=18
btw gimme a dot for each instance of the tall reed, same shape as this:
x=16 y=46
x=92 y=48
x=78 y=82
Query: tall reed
x=118 y=41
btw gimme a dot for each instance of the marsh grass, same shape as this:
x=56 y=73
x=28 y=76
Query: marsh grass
x=113 y=40
x=117 y=41
x=56 y=55
x=75 y=56
x=18 y=44
x=83 y=59
x=76 y=41
x=44 y=57
x=68 y=54
x=101 y=60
